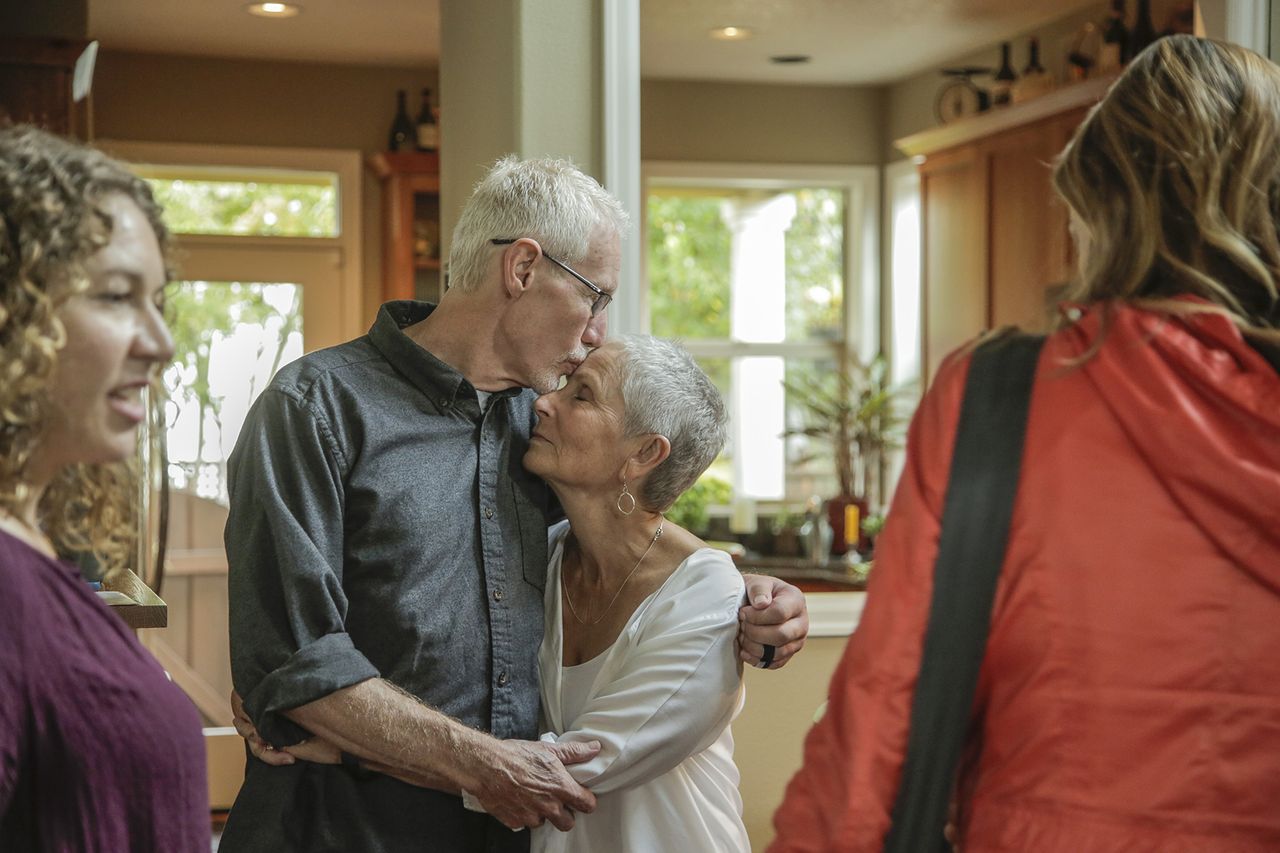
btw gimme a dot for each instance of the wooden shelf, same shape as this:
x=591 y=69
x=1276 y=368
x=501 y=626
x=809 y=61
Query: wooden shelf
x=147 y=610
x=1083 y=94
x=388 y=163
x=426 y=263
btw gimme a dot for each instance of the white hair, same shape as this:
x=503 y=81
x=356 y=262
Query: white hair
x=549 y=200
x=664 y=391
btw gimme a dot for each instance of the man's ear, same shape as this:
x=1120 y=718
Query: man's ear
x=517 y=266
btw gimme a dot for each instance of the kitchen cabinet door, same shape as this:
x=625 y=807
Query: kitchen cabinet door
x=1028 y=238
x=953 y=188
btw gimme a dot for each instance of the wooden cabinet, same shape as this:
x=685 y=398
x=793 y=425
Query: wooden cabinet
x=36 y=78
x=411 y=267
x=996 y=247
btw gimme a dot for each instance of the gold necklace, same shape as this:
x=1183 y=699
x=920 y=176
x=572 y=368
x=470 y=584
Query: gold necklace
x=603 y=613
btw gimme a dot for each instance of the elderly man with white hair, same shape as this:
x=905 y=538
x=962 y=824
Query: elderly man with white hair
x=388 y=551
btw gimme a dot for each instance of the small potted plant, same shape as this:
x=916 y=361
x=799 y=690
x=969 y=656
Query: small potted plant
x=859 y=414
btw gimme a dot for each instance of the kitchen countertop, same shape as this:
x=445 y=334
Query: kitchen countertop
x=833 y=576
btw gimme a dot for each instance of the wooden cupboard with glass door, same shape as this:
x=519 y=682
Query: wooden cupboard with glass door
x=411 y=266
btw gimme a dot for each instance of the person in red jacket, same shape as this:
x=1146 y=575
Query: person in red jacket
x=1129 y=698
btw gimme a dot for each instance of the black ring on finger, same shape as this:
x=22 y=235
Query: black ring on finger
x=766 y=659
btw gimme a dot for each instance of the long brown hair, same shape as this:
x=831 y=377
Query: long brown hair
x=1174 y=180
x=50 y=223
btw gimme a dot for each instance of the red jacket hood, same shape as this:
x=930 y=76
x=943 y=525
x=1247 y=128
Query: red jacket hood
x=1202 y=409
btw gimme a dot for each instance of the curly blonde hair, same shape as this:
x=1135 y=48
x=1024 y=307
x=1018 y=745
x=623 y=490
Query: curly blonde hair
x=1174 y=180
x=51 y=222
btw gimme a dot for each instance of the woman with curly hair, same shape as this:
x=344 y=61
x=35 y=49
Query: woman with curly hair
x=1129 y=695
x=99 y=751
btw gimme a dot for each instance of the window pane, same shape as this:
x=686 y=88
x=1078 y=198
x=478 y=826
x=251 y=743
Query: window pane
x=230 y=339
x=688 y=267
x=815 y=266
x=306 y=208
x=805 y=461
x=752 y=265
x=810 y=458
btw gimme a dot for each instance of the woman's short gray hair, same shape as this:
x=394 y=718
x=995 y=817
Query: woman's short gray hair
x=664 y=391
x=550 y=200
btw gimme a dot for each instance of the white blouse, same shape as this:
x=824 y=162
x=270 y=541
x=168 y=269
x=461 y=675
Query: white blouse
x=660 y=706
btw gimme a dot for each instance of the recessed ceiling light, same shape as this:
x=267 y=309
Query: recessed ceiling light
x=274 y=9
x=790 y=59
x=731 y=33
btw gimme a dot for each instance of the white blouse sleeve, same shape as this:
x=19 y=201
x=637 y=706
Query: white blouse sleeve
x=678 y=687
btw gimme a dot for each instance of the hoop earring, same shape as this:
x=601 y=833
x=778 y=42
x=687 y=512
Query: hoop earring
x=630 y=498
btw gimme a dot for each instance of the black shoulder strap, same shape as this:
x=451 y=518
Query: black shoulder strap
x=971 y=549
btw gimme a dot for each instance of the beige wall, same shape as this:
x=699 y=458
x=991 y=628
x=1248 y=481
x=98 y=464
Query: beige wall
x=524 y=78
x=754 y=123
x=768 y=735
x=241 y=102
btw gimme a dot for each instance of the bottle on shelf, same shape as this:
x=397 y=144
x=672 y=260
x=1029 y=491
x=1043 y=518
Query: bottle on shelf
x=428 y=132
x=1035 y=80
x=1143 y=32
x=402 y=134
x=1082 y=52
x=1002 y=86
x=1115 y=38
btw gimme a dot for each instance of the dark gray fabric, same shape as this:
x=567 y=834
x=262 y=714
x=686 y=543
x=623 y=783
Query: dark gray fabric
x=380 y=524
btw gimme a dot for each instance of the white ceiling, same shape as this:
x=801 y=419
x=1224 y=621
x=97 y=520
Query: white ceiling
x=850 y=41
x=362 y=32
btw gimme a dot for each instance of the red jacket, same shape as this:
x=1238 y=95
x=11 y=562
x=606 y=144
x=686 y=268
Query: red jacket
x=1129 y=699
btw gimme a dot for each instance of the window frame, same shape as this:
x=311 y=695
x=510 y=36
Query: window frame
x=861 y=187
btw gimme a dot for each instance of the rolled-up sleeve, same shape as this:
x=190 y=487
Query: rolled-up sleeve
x=284 y=540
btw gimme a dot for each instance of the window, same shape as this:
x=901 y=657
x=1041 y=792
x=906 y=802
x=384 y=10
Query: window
x=267 y=204
x=766 y=275
x=265 y=272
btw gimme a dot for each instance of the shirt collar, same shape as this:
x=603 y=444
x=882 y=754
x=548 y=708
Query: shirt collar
x=440 y=382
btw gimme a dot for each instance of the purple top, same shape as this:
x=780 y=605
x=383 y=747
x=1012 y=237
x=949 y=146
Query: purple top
x=99 y=751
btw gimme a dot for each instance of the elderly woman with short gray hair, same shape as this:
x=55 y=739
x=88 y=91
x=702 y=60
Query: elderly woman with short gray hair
x=641 y=615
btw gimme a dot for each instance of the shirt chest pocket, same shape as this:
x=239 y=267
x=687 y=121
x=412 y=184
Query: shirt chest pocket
x=531 y=517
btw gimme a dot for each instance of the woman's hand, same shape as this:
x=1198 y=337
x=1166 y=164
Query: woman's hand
x=775 y=614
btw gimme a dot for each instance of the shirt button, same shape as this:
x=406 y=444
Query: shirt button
x=498 y=594
x=502 y=679
x=488 y=512
x=444 y=403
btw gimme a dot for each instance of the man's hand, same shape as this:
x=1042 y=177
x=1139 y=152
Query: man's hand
x=261 y=750
x=775 y=614
x=316 y=750
x=526 y=783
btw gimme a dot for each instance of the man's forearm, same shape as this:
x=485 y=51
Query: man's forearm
x=396 y=734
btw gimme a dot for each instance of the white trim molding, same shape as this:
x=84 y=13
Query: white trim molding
x=1249 y=24
x=621 y=135
x=834 y=614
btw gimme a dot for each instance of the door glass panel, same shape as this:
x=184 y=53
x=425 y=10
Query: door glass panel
x=231 y=338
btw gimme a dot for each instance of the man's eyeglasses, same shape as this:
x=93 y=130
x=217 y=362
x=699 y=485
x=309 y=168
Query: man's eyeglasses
x=597 y=305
